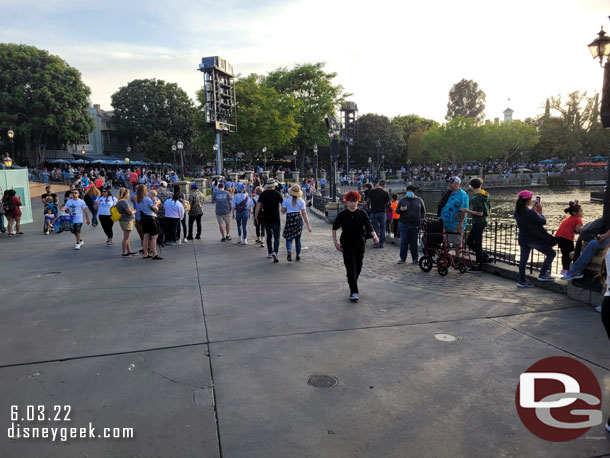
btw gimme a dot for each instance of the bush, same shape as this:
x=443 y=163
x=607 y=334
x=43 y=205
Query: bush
x=553 y=180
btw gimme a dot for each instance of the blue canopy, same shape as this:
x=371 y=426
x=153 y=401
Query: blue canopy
x=546 y=161
x=604 y=158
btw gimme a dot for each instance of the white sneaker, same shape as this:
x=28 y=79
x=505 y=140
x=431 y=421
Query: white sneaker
x=184 y=240
x=270 y=255
x=81 y=243
x=77 y=247
x=239 y=242
x=108 y=243
x=354 y=297
x=178 y=242
x=46 y=233
x=245 y=241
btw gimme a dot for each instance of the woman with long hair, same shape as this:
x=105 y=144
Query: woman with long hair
x=533 y=236
x=242 y=206
x=11 y=203
x=102 y=205
x=125 y=208
x=174 y=212
x=295 y=209
x=90 y=197
x=148 y=219
x=355 y=227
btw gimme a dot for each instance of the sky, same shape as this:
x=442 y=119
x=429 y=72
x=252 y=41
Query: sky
x=394 y=57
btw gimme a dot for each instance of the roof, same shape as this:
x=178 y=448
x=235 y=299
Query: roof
x=508 y=110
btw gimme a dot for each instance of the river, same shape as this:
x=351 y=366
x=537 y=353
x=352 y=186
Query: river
x=554 y=201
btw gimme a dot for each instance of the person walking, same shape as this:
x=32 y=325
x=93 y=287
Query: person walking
x=103 y=204
x=77 y=209
x=90 y=197
x=411 y=211
x=533 y=236
x=196 y=200
x=148 y=219
x=355 y=228
x=242 y=205
x=11 y=204
x=395 y=215
x=125 y=208
x=174 y=212
x=565 y=233
x=269 y=202
x=223 y=212
x=296 y=212
x=378 y=201
x=480 y=207
x=258 y=222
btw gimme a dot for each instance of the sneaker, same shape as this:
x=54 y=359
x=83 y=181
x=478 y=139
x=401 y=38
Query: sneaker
x=178 y=242
x=239 y=242
x=275 y=259
x=82 y=242
x=298 y=258
x=262 y=245
x=171 y=243
x=108 y=243
x=563 y=272
x=415 y=262
x=257 y=241
x=19 y=233
x=546 y=277
x=190 y=237
x=46 y=233
x=228 y=237
x=381 y=245
x=289 y=257
x=354 y=297
x=245 y=241
x=270 y=255
x=126 y=255
x=198 y=237
x=224 y=239
x=571 y=276
x=77 y=247
x=526 y=284
x=185 y=239
x=10 y=234
x=401 y=261
x=598 y=309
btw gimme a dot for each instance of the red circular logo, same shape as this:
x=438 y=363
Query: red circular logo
x=559 y=399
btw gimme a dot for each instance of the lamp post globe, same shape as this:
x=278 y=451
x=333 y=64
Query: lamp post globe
x=265 y=156
x=8 y=161
x=10 y=134
x=294 y=153
x=83 y=151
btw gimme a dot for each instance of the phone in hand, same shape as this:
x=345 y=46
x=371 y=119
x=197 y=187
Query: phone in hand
x=537 y=200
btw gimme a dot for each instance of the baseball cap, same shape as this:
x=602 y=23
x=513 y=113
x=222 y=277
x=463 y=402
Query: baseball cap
x=455 y=180
x=240 y=187
x=525 y=194
x=412 y=188
x=194 y=186
x=164 y=184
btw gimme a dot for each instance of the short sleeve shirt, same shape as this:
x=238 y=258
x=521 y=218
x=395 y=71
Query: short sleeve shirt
x=271 y=200
x=76 y=208
x=122 y=206
x=287 y=204
x=223 y=202
x=451 y=211
x=567 y=226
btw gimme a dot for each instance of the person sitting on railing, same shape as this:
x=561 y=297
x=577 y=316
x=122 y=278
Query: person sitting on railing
x=533 y=236
x=565 y=233
x=591 y=232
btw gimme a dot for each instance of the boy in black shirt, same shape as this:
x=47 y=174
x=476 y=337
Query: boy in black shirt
x=355 y=227
x=270 y=202
x=378 y=200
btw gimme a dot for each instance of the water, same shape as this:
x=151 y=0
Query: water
x=554 y=201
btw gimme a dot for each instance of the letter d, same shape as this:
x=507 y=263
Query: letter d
x=11 y=431
x=527 y=389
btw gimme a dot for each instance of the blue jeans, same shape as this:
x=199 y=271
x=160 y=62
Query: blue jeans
x=297 y=243
x=242 y=223
x=408 y=239
x=592 y=248
x=2 y=227
x=525 y=254
x=273 y=230
x=378 y=220
x=94 y=217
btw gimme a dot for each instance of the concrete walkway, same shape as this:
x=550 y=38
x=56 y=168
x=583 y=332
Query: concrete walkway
x=208 y=352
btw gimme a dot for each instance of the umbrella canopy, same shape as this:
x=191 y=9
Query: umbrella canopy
x=548 y=161
x=591 y=164
x=600 y=158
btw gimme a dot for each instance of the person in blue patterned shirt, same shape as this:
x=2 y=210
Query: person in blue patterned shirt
x=454 y=220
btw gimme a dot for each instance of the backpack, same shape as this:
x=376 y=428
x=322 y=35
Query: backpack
x=187 y=206
x=240 y=207
x=115 y=215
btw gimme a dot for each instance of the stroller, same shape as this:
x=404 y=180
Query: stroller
x=437 y=250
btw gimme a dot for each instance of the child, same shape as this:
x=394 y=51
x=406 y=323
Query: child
x=565 y=234
x=394 y=205
x=49 y=220
x=389 y=216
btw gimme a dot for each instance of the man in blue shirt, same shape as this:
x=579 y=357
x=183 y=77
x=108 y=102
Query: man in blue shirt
x=223 y=212
x=454 y=220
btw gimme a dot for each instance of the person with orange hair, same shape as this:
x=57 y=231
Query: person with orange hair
x=355 y=227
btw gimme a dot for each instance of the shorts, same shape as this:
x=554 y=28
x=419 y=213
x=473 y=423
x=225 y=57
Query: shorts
x=149 y=226
x=224 y=219
x=454 y=240
x=76 y=227
x=126 y=225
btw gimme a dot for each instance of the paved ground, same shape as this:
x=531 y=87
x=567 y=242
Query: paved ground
x=207 y=353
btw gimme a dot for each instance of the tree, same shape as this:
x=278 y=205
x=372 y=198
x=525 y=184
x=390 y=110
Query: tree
x=373 y=127
x=408 y=125
x=466 y=100
x=456 y=141
x=158 y=147
x=315 y=97
x=144 y=107
x=510 y=139
x=42 y=99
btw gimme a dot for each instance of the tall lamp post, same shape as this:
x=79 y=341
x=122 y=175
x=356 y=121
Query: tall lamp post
x=174 y=148
x=265 y=156
x=180 y=146
x=294 y=153
x=215 y=148
x=11 y=140
x=315 y=165
x=378 y=146
x=370 y=161
x=600 y=49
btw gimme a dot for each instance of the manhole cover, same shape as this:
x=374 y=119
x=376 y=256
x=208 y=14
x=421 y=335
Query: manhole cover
x=445 y=337
x=322 y=381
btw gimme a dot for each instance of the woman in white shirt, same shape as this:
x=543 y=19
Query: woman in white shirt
x=242 y=206
x=103 y=204
x=295 y=210
x=174 y=212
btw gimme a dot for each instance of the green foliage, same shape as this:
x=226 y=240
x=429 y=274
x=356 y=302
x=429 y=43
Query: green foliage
x=466 y=100
x=315 y=96
x=373 y=127
x=158 y=147
x=408 y=125
x=144 y=107
x=42 y=99
x=509 y=139
x=553 y=180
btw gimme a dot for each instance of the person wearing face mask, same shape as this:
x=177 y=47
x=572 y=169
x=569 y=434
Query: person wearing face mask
x=480 y=207
x=411 y=211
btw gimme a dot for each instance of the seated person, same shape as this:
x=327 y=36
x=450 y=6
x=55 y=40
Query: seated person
x=597 y=243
